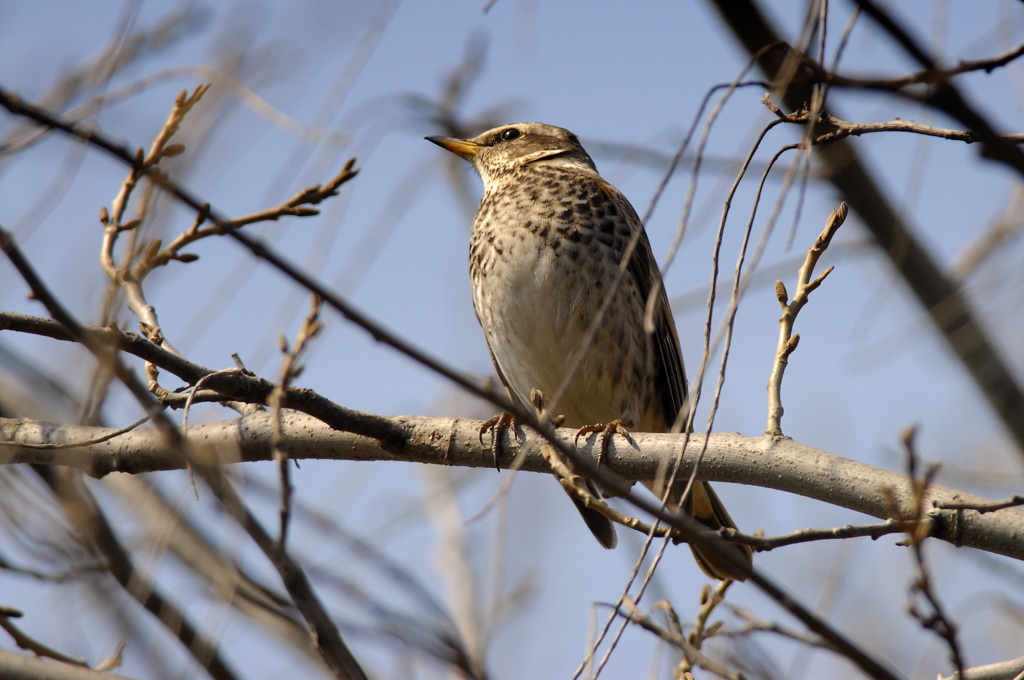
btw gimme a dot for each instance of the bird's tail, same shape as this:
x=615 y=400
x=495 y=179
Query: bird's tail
x=704 y=506
x=599 y=525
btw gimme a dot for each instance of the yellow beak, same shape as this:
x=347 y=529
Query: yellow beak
x=459 y=147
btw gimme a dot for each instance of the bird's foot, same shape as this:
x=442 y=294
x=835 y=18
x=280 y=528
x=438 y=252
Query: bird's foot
x=496 y=425
x=612 y=427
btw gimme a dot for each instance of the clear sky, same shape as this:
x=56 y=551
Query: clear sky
x=366 y=79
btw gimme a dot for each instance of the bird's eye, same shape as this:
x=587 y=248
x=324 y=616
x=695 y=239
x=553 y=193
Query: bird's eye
x=510 y=134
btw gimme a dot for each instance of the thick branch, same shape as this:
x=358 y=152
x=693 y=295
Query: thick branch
x=767 y=462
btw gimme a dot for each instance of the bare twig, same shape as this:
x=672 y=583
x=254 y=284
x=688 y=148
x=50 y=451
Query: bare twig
x=290 y=370
x=1013 y=502
x=1003 y=670
x=756 y=624
x=935 y=618
x=843 y=128
x=26 y=641
x=709 y=599
x=790 y=308
x=634 y=614
x=23 y=666
x=763 y=543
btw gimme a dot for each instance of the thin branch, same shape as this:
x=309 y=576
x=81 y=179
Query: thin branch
x=634 y=614
x=290 y=370
x=929 y=76
x=1003 y=670
x=946 y=97
x=702 y=631
x=935 y=618
x=790 y=309
x=844 y=128
x=756 y=624
x=25 y=667
x=231 y=384
x=764 y=543
x=29 y=643
x=1013 y=502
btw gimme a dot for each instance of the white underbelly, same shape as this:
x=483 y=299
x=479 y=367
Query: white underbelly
x=536 y=317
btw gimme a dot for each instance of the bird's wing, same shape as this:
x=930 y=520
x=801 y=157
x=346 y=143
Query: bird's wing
x=670 y=375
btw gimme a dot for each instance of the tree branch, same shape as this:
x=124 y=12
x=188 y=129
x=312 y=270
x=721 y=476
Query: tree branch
x=949 y=308
x=767 y=462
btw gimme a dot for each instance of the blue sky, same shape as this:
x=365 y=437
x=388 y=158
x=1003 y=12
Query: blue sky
x=395 y=243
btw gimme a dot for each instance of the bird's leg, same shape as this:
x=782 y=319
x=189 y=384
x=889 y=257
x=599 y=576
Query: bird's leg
x=537 y=399
x=502 y=421
x=617 y=426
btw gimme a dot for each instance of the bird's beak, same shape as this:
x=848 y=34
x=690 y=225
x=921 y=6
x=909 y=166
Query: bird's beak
x=459 y=147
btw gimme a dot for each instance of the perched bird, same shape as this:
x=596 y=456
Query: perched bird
x=546 y=244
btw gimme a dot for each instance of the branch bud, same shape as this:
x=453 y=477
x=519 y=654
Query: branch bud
x=791 y=345
x=780 y=292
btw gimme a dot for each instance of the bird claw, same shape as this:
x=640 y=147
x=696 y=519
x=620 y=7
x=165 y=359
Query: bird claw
x=496 y=424
x=612 y=427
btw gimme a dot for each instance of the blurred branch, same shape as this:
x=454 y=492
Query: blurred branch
x=93 y=526
x=233 y=583
x=121 y=51
x=24 y=667
x=998 y=235
x=31 y=644
x=934 y=617
x=322 y=629
x=691 y=652
x=795 y=468
x=232 y=384
x=945 y=96
x=1003 y=670
x=940 y=296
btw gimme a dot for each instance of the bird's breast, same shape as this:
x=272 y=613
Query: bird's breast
x=538 y=285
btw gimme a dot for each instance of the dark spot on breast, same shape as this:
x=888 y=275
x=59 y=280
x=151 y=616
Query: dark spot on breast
x=606 y=227
x=566 y=215
x=575 y=236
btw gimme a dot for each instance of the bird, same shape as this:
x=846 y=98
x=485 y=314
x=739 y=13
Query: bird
x=545 y=247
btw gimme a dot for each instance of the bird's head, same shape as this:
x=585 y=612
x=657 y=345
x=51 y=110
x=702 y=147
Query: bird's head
x=506 y=149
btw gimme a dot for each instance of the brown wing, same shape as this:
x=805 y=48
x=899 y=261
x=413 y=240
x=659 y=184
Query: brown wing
x=670 y=375
x=702 y=503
